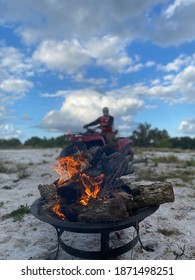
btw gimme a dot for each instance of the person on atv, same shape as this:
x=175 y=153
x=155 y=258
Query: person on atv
x=105 y=123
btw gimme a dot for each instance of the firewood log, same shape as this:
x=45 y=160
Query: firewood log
x=48 y=192
x=100 y=211
x=148 y=194
x=122 y=204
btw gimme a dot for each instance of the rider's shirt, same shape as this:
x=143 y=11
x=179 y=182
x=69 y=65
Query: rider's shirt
x=104 y=121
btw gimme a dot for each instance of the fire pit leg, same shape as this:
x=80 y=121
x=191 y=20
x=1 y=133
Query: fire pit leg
x=104 y=244
x=59 y=233
x=139 y=239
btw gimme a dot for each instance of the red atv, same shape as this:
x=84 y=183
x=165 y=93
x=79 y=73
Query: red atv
x=92 y=138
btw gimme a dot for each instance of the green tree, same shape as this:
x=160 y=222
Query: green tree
x=141 y=136
x=10 y=143
x=159 y=138
x=146 y=136
x=34 y=142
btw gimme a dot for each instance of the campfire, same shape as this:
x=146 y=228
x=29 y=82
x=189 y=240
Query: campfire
x=92 y=188
x=93 y=195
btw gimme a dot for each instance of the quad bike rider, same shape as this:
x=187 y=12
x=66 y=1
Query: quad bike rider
x=105 y=140
x=105 y=123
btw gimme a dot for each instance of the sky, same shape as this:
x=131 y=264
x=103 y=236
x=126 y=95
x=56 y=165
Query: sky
x=62 y=61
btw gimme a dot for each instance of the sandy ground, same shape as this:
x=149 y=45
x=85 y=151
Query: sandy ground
x=169 y=233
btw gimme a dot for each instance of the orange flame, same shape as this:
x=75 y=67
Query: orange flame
x=92 y=187
x=57 y=209
x=69 y=168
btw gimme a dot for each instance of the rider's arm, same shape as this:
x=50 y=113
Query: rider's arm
x=93 y=123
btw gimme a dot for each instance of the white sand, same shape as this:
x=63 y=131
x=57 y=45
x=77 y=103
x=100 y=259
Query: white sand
x=33 y=239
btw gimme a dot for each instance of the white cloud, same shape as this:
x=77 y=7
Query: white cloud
x=184 y=82
x=168 y=22
x=59 y=93
x=9 y=131
x=108 y=52
x=104 y=47
x=79 y=78
x=14 y=63
x=111 y=53
x=155 y=82
x=115 y=64
x=62 y=19
x=15 y=69
x=150 y=63
x=172 y=89
x=178 y=63
x=168 y=77
x=187 y=126
x=62 y=56
x=29 y=35
x=134 y=68
x=16 y=86
x=177 y=4
x=175 y=26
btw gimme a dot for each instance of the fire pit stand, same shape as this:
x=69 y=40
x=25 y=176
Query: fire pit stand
x=104 y=229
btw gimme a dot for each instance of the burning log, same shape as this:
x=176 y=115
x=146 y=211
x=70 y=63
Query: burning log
x=121 y=203
x=125 y=203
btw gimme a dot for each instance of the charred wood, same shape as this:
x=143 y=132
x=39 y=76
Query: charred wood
x=48 y=192
x=99 y=211
x=127 y=202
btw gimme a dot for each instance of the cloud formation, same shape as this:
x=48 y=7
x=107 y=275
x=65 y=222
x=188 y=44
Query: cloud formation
x=175 y=25
x=64 y=19
x=68 y=39
x=59 y=20
x=68 y=56
x=108 y=52
x=83 y=106
x=16 y=86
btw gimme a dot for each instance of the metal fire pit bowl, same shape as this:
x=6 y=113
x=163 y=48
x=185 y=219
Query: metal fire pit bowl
x=103 y=228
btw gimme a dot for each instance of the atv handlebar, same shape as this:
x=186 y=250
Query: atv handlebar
x=91 y=130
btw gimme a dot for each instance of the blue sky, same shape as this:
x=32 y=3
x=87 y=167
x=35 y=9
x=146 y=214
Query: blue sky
x=61 y=62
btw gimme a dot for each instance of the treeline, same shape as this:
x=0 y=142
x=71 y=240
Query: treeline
x=143 y=136
x=33 y=142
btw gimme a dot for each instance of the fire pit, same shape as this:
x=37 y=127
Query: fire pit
x=91 y=196
x=104 y=229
